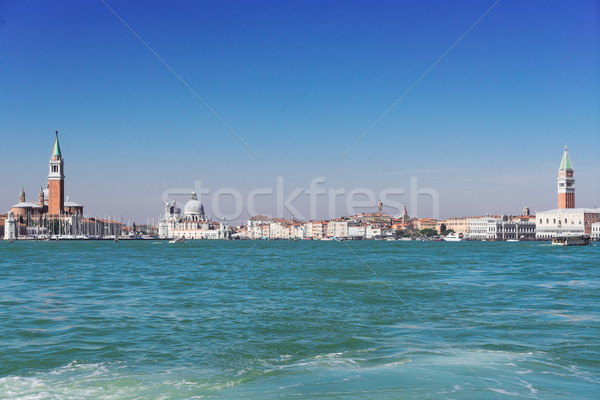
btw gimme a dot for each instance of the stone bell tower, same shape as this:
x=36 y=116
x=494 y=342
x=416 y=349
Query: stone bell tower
x=56 y=181
x=566 y=183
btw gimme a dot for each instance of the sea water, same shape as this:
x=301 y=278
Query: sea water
x=311 y=320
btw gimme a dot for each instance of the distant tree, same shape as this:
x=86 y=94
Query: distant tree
x=447 y=232
x=401 y=233
x=428 y=232
x=442 y=227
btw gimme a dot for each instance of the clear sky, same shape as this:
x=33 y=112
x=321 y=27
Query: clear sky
x=300 y=82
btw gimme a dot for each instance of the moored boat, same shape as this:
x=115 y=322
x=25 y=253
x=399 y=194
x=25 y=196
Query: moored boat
x=454 y=237
x=571 y=240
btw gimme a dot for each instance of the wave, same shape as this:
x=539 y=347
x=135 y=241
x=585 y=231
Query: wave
x=114 y=381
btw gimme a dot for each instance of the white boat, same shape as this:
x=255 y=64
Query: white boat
x=454 y=237
x=571 y=240
x=178 y=240
x=512 y=240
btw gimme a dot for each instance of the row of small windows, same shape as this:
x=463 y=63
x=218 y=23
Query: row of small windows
x=566 y=221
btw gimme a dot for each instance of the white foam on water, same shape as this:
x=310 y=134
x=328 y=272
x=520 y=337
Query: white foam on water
x=524 y=372
x=499 y=372
x=396 y=363
x=76 y=381
x=528 y=386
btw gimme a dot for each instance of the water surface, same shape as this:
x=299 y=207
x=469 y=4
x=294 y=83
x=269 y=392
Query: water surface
x=322 y=320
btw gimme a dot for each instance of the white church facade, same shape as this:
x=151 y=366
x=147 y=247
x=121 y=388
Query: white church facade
x=192 y=224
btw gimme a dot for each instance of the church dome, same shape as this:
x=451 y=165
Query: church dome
x=193 y=207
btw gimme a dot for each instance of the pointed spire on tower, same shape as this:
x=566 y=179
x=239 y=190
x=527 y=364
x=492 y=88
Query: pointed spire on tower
x=565 y=164
x=404 y=215
x=22 y=195
x=56 y=150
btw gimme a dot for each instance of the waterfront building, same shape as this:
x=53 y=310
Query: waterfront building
x=318 y=229
x=397 y=224
x=259 y=226
x=308 y=231
x=426 y=223
x=280 y=229
x=566 y=221
x=299 y=230
x=375 y=218
x=338 y=228
x=479 y=227
x=193 y=224
x=373 y=232
x=357 y=231
x=378 y=232
x=458 y=225
x=511 y=228
x=595 y=231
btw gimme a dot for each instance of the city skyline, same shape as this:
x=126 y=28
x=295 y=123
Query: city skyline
x=300 y=84
x=357 y=200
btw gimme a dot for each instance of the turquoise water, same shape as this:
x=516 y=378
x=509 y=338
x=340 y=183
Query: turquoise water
x=280 y=320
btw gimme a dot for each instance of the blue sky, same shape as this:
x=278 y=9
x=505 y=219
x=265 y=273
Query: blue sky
x=300 y=82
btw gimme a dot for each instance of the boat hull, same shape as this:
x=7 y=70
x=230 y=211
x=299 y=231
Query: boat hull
x=571 y=240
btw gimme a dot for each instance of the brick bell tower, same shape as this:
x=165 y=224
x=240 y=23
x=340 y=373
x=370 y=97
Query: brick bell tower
x=566 y=183
x=56 y=181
